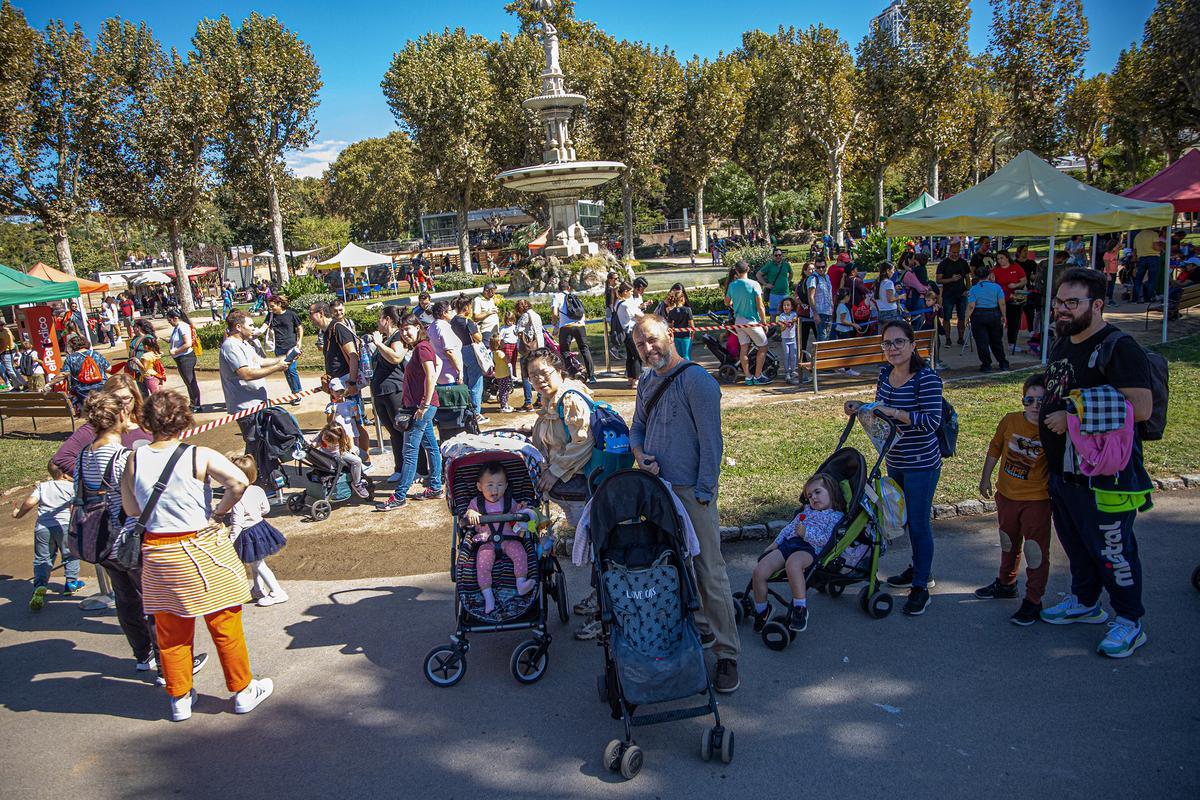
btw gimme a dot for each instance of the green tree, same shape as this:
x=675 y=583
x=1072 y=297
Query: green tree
x=441 y=95
x=984 y=103
x=50 y=107
x=372 y=183
x=631 y=111
x=272 y=80
x=880 y=95
x=731 y=193
x=1170 y=35
x=1085 y=114
x=1038 y=46
x=762 y=145
x=713 y=107
x=307 y=233
x=514 y=65
x=152 y=155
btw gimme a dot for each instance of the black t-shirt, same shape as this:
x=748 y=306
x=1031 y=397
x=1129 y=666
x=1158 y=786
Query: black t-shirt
x=680 y=317
x=1127 y=369
x=284 y=328
x=948 y=268
x=337 y=335
x=386 y=377
x=465 y=329
x=987 y=259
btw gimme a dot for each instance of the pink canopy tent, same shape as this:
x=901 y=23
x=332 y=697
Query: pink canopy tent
x=1178 y=184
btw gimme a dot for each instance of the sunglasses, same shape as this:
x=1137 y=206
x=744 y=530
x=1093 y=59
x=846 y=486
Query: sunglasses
x=1029 y=401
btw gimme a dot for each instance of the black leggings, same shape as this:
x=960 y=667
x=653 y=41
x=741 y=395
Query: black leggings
x=386 y=406
x=633 y=362
x=186 y=365
x=1015 y=313
x=137 y=627
x=577 y=333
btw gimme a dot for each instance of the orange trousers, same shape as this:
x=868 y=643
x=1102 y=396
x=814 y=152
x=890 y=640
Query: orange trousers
x=175 y=638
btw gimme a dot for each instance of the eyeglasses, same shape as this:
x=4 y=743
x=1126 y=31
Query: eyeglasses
x=1030 y=401
x=893 y=344
x=1071 y=303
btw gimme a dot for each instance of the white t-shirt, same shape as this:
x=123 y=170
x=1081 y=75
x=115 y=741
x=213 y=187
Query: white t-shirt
x=240 y=394
x=54 y=500
x=564 y=318
x=530 y=326
x=249 y=510
x=345 y=414
x=481 y=306
x=881 y=301
x=445 y=340
x=508 y=334
x=788 y=333
x=181 y=335
x=629 y=312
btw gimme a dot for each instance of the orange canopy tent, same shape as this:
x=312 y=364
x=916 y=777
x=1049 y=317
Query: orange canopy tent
x=40 y=270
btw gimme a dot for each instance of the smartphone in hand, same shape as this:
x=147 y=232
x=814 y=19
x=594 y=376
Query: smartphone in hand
x=291 y=355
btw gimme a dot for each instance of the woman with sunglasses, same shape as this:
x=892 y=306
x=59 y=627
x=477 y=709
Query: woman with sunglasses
x=910 y=393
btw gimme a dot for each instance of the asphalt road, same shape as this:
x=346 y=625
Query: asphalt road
x=958 y=703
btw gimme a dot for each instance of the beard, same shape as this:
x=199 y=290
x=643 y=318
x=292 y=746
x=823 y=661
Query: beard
x=1076 y=325
x=659 y=363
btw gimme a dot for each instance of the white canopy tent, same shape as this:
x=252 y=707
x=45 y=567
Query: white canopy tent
x=352 y=257
x=149 y=279
x=1028 y=197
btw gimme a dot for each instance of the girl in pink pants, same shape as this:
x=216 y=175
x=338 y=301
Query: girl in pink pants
x=492 y=486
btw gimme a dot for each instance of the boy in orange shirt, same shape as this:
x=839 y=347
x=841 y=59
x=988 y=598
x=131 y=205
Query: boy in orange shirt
x=1022 y=504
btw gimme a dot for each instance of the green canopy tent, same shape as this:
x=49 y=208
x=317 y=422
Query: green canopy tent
x=925 y=200
x=17 y=288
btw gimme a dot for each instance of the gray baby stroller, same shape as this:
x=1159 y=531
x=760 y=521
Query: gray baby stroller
x=646 y=597
x=327 y=484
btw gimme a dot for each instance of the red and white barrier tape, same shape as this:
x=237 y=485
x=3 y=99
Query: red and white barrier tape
x=228 y=418
x=726 y=327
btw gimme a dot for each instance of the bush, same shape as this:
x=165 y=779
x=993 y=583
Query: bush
x=458 y=281
x=211 y=335
x=754 y=255
x=301 y=303
x=301 y=285
x=870 y=250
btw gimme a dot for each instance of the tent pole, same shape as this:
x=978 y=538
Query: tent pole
x=1049 y=300
x=1166 y=287
x=1092 y=259
x=889 y=248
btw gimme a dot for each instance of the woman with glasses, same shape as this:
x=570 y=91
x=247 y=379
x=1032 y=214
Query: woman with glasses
x=910 y=393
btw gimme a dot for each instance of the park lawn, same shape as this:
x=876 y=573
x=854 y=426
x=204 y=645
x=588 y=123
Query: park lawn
x=774 y=447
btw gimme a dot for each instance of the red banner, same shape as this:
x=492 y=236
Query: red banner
x=39 y=327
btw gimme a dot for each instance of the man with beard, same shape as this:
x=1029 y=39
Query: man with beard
x=676 y=433
x=1094 y=516
x=954 y=276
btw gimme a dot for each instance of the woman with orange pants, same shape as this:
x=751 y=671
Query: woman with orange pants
x=189 y=566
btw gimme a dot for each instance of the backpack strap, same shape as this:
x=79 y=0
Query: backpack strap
x=160 y=485
x=559 y=406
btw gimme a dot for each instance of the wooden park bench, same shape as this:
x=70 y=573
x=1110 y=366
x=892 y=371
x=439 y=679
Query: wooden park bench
x=1189 y=298
x=34 y=405
x=856 y=352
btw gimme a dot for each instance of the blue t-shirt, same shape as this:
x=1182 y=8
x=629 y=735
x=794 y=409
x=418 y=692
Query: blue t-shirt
x=985 y=294
x=745 y=294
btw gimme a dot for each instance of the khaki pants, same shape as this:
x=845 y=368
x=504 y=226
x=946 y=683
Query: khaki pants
x=712 y=581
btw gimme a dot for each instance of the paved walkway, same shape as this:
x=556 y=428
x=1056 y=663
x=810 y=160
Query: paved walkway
x=958 y=703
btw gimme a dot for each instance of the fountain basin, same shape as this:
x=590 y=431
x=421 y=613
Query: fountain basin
x=545 y=101
x=562 y=179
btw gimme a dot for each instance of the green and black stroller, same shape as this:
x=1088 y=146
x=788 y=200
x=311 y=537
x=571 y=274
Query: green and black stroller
x=875 y=515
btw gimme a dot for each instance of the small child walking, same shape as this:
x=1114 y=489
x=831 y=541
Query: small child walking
x=254 y=538
x=502 y=372
x=492 y=487
x=796 y=548
x=1022 y=504
x=52 y=499
x=789 y=319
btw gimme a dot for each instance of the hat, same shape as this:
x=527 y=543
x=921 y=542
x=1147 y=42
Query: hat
x=336 y=385
x=172 y=313
x=489 y=285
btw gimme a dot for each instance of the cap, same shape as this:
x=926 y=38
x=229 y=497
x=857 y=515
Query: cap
x=489 y=285
x=172 y=312
x=336 y=385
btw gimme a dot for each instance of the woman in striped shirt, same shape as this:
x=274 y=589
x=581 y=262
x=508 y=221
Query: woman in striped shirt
x=910 y=393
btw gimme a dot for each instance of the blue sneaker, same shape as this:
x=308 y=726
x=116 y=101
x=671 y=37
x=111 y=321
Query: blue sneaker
x=1123 y=638
x=1070 y=610
x=750 y=381
x=762 y=380
x=72 y=587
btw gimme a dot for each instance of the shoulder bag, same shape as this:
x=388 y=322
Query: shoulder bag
x=127 y=550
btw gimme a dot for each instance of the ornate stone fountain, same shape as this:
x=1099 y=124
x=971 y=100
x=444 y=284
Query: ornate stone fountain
x=560 y=178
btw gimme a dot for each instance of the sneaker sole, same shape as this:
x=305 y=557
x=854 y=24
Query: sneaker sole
x=727 y=690
x=1092 y=620
x=1024 y=623
x=919 y=611
x=1137 y=642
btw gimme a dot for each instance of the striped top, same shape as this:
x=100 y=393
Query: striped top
x=95 y=463
x=917 y=446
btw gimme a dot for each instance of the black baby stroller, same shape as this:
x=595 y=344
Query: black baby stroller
x=852 y=554
x=465 y=455
x=327 y=484
x=646 y=597
x=273 y=438
x=729 y=369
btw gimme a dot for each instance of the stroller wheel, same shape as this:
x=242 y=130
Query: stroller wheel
x=295 y=503
x=835 y=589
x=727 y=373
x=706 y=744
x=631 y=762
x=739 y=613
x=612 y=755
x=879 y=605
x=321 y=510
x=863 y=597
x=529 y=661
x=727 y=746
x=560 y=597
x=445 y=666
x=1196 y=579
x=775 y=634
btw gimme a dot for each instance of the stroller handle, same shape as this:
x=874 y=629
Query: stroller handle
x=498 y=518
x=892 y=425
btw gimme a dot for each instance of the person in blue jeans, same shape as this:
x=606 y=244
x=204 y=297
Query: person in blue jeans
x=419 y=398
x=53 y=500
x=909 y=392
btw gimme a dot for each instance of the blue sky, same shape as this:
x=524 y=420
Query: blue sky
x=353 y=41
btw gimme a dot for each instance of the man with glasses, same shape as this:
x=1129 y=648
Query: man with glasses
x=1094 y=516
x=819 y=290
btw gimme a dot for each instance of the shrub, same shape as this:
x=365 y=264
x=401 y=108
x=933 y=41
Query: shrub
x=754 y=255
x=458 y=281
x=301 y=303
x=301 y=285
x=871 y=249
x=211 y=335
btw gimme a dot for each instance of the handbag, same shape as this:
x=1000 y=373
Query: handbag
x=403 y=421
x=127 y=550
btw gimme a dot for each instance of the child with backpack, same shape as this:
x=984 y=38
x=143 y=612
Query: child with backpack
x=53 y=499
x=86 y=369
x=254 y=538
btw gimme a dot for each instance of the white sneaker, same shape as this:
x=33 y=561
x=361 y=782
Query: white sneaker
x=147 y=665
x=853 y=373
x=275 y=598
x=507 y=409
x=181 y=707
x=482 y=419
x=394 y=477
x=247 y=699
x=368 y=467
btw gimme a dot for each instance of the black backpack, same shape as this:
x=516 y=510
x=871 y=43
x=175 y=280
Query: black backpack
x=947 y=432
x=1150 y=430
x=573 y=306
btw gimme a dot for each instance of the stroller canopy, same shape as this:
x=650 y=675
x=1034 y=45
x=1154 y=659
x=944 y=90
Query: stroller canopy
x=634 y=495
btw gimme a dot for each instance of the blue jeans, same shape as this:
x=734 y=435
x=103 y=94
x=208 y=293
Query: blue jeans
x=824 y=328
x=292 y=374
x=683 y=346
x=919 y=486
x=421 y=434
x=47 y=542
x=791 y=356
x=1149 y=273
x=475 y=385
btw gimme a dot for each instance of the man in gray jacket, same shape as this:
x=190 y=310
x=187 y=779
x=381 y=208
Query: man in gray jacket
x=678 y=437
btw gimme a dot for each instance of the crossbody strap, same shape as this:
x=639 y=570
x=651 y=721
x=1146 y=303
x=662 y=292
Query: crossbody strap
x=160 y=484
x=662 y=388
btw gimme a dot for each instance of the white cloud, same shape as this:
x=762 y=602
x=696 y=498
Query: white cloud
x=313 y=162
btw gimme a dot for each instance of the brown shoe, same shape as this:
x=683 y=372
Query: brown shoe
x=727 y=676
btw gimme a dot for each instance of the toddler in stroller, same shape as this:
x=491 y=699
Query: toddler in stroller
x=796 y=548
x=335 y=474
x=493 y=499
x=726 y=349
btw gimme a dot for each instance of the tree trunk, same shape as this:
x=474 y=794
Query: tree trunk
x=934 y=189
x=879 y=178
x=977 y=170
x=835 y=197
x=1087 y=167
x=764 y=215
x=183 y=287
x=464 y=236
x=281 y=266
x=828 y=221
x=62 y=248
x=627 y=208
x=701 y=232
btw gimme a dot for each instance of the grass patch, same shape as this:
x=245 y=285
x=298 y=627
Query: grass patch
x=776 y=447
x=23 y=453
